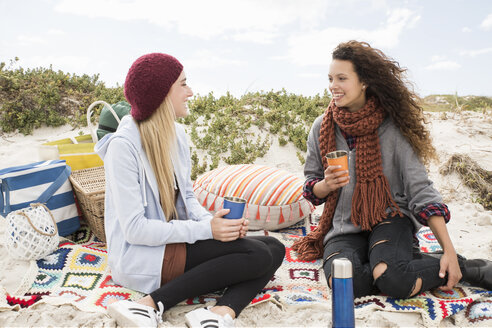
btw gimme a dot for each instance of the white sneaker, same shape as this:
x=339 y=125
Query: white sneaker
x=201 y=318
x=133 y=314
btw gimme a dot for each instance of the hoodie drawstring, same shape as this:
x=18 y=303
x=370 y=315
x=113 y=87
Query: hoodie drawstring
x=144 y=177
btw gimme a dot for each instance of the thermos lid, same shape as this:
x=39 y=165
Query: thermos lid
x=341 y=268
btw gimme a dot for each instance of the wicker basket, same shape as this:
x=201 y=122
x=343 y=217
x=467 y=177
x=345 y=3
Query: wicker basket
x=89 y=186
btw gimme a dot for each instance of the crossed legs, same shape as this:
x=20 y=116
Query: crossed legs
x=384 y=260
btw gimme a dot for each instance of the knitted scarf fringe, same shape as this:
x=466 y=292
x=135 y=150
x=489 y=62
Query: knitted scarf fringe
x=310 y=247
x=370 y=201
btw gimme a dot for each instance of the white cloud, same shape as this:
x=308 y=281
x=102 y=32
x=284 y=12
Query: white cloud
x=473 y=53
x=487 y=22
x=311 y=75
x=206 y=59
x=466 y=29
x=402 y=18
x=25 y=40
x=315 y=47
x=255 y=36
x=437 y=58
x=56 y=32
x=28 y=40
x=69 y=64
x=239 y=19
x=445 y=65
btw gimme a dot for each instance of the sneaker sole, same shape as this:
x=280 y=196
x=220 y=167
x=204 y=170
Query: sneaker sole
x=190 y=319
x=188 y=322
x=121 y=319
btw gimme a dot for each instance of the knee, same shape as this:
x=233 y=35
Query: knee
x=378 y=270
x=277 y=249
x=361 y=275
x=269 y=253
x=395 y=283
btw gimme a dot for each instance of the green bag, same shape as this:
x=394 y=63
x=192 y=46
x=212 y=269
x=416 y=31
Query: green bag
x=107 y=121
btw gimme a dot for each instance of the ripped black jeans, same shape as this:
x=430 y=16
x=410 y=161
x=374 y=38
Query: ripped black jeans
x=391 y=242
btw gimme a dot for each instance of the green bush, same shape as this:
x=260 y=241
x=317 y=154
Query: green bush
x=229 y=125
x=228 y=129
x=30 y=98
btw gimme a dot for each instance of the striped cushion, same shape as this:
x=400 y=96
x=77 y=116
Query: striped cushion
x=273 y=197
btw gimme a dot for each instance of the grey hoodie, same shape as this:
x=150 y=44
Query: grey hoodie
x=136 y=229
x=407 y=176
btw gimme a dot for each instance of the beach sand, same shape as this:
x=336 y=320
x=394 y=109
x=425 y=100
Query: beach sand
x=470 y=228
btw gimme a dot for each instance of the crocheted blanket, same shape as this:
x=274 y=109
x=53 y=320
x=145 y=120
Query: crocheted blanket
x=303 y=283
x=300 y=282
x=77 y=273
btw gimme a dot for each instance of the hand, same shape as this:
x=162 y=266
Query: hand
x=225 y=229
x=244 y=229
x=332 y=181
x=449 y=264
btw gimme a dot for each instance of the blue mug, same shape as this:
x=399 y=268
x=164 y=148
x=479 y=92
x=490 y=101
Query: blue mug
x=236 y=205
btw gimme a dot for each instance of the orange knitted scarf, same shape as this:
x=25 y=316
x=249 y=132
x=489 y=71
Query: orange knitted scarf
x=372 y=194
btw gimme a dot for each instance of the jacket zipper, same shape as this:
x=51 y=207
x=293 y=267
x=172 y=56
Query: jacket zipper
x=343 y=192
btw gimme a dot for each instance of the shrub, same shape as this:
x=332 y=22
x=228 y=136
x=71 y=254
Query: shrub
x=30 y=98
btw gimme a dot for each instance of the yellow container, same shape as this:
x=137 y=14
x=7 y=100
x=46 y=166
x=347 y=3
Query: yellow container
x=78 y=152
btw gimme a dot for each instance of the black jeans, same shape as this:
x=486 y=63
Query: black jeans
x=391 y=242
x=244 y=266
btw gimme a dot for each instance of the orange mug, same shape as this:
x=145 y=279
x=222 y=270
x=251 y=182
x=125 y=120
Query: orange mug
x=338 y=157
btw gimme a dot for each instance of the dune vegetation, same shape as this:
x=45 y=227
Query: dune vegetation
x=229 y=129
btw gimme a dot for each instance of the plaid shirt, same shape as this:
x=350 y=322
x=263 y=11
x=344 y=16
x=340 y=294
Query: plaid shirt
x=351 y=140
x=434 y=209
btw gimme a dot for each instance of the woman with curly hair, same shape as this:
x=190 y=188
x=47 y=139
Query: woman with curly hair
x=371 y=216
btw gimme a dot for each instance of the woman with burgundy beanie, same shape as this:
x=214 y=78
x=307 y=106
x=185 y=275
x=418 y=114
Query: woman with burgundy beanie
x=160 y=240
x=370 y=217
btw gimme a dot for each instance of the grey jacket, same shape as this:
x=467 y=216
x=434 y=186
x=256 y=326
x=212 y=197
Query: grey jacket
x=136 y=228
x=407 y=176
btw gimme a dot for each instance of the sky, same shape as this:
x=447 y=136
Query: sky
x=241 y=46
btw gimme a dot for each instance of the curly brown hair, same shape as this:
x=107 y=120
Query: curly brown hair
x=386 y=81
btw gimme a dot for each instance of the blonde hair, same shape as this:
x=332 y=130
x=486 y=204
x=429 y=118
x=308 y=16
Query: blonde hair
x=158 y=136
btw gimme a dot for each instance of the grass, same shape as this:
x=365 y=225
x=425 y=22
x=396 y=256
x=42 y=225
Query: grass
x=473 y=176
x=443 y=103
x=228 y=129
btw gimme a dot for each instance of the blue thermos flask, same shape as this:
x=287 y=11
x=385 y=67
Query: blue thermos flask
x=342 y=298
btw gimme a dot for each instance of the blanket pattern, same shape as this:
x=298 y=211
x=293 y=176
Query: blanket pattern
x=77 y=273
x=309 y=286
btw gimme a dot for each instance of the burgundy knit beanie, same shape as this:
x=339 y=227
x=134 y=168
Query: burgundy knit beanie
x=148 y=82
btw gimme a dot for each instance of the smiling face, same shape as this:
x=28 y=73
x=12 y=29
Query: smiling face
x=347 y=90
x=179 y=94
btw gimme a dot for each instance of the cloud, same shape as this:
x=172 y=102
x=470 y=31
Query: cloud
x=25 y=40
x=255 y=36
x=243 y=20
x=206 y=59
x=311 y=75
x=445 y=65
x=487 y=22
x=473 y=53
x=315 y=47
x=28 y=40
x=69 y=64
x=437 y=58
x=56 y=32
x=466 y=29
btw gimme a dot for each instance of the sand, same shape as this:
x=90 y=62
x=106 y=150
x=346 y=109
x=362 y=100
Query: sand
x=470 y=228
